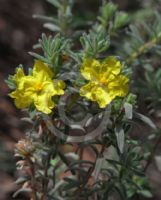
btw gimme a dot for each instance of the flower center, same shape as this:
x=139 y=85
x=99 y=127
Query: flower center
x=38 y=87
x=103 y=81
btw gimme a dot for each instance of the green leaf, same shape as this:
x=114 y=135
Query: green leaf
x=55 y=3
x=22 y=180
x=37 y=56
x=11 y=83
x=106 y=12
x=72 y=182
x=52 y=27
x=96 y=42
x=121 y=19
x=146 y=120
x=54 y=162
x=146 y=193
x=45 y=18
x=128 y=110
x=26 y=190
x=98 y=167
x=120 y=136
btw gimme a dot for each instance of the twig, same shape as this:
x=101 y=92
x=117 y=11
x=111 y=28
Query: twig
x=33 y=181
x=45 y=180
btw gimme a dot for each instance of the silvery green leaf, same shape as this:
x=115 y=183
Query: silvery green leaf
x=120 y=136
x=54 y=162
x=121 y=19
x=21 y=180
x=98 y=167
x=107 y=12
x=27 y=119
x=55 y=3
x=158 y=162
x=45 y=18
x=146 y=120
x=57 y=186
x=72 y=155
x=110 y=153
x=52 y=27
x=146 y=193
x=26 y=190
x=128 y=110
x=38 y=57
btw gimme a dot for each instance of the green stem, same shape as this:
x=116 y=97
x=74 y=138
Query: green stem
x=65 y=5
x=63 y=19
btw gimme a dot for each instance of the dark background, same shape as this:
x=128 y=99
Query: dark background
x=18 y=32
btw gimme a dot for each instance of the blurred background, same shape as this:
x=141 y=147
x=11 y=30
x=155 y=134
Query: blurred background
x=18 y=32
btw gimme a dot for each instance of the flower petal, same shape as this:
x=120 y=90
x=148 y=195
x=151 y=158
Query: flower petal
x=21 y=99
x=86 y=90
x=59 y=86
x=118 y=87
x=41 y=71
x=102 y=97
x=111 y=65
x=90 y=69
x=96 y=93
x=44 y=103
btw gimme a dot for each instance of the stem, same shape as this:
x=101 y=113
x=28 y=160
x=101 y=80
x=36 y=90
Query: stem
x=141 y=50
x=81 y=158
x=91 y=169
x=63 y=19
x=45 y=181
x=65 y=5
x=33 y=181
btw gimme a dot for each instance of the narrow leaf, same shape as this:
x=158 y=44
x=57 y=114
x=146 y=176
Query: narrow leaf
x=146 y=120
x=128 y=110
x=120 y=136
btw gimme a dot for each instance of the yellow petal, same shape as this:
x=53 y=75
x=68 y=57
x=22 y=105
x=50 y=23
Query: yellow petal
x=21 y=99
x=86 y=90
x=41 y=71
x=59 y=86
x=94 y=92
x=90 y=69
x=111 y=65
x=102 y=97
x=44 y=103
x=26 y=82
x=118 y=87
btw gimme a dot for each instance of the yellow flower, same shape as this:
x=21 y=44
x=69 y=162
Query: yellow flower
x=105 y=81
x=37 y=88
